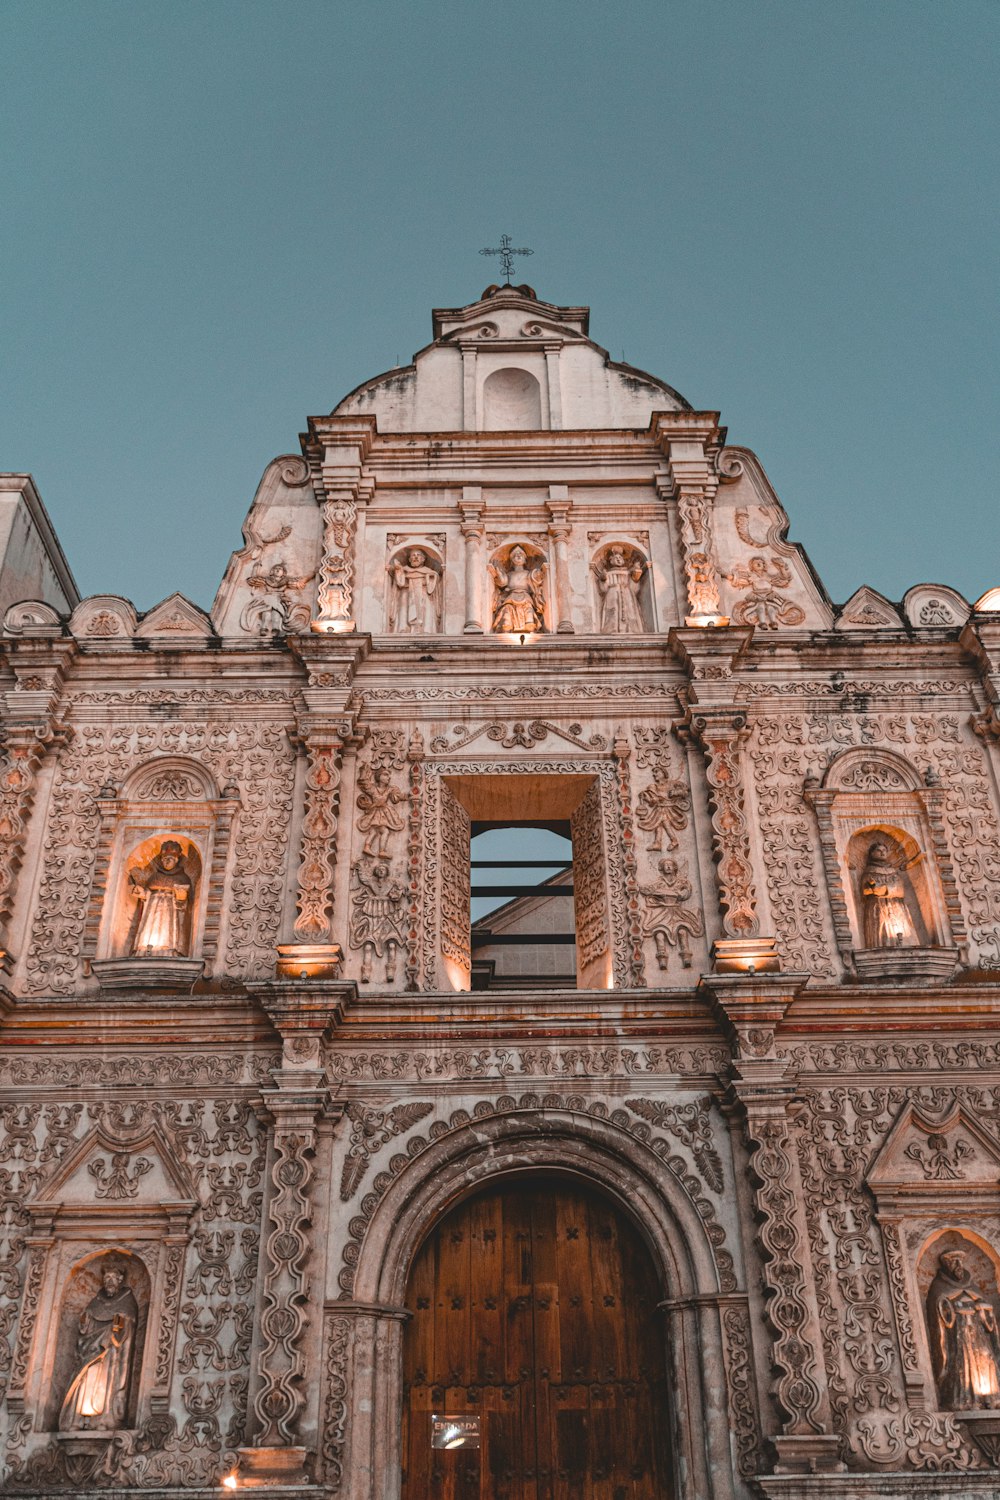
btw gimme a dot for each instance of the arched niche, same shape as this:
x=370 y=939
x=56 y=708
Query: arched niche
x=414 y=588
x=503 y=1140
x=512 y=401
x=84 y=1288
x=520 y=602
x=868 y=794
x=166 y=799
x=622 y=588
x=958 y=1281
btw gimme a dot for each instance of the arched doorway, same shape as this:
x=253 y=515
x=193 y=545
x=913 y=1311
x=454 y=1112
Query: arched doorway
x=534 y=1313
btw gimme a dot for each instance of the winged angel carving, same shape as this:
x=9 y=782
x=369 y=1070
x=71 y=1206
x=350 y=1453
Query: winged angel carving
x=764 y=606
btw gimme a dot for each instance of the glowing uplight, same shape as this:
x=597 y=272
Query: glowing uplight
x=230 y=1481
x=704 y=621
x=333 y=627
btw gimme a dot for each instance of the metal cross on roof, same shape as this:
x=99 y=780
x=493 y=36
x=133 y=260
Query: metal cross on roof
x=506 y=254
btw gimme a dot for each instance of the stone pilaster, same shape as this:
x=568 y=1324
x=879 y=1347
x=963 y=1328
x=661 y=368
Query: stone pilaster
x=558 y=507
x=336 y=449
x=761 y=1094
x=688 y=439
x=473 y=531
x=31 y=730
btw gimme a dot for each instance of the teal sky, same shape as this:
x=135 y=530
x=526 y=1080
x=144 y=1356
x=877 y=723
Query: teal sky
x=220 y=216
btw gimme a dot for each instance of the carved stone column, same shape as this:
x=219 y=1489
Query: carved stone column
x=718 y=725
x=559 y=530
x=473 y=530
x=760 y=1094
x=295 y=1107
x=31 y=729
x=322 y=732
x=336 y=448
x=689 y=440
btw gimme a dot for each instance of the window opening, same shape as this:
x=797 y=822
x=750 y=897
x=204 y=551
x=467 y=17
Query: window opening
x=522 y=907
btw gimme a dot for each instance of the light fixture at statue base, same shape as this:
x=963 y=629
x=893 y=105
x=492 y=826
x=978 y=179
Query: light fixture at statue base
x=754 y=955
x=271 y=1468
x=309 y=960
x=333 y=627
x=706 y=622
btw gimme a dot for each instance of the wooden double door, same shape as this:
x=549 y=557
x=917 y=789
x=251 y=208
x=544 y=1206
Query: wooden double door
x=534 y=1320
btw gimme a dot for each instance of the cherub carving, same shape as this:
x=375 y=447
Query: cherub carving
x=377 y=801
x=668 y=921
x=280 y=612
x=764 y=606
x=379 y=917
x=662 y=808
x=520 y=595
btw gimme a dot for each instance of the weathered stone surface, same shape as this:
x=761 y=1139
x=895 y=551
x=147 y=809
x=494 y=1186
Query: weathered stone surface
x=514 y=582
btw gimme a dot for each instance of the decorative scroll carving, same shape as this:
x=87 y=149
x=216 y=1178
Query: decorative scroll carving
x=637 y=967
x=513 y=736
x=589 y=882
x=721 y=738
x=281 y=1365
x=337 y=1331
x=414 y=860
x=562 y=1064
x=691 y=1124
x=25 y=750
x=335 y=593
x=796 y=1389
x=371 y=1129
x=783 y=758
x=743 y=1415
x=319 y=832
x=456 y=936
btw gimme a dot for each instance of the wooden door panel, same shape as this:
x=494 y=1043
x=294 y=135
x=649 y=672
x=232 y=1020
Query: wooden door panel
x=534 y=1308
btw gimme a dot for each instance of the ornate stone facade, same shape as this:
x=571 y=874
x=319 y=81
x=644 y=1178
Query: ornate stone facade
x=247 y=1064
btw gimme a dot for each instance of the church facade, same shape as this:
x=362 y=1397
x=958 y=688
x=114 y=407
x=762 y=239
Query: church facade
x=316 y=1180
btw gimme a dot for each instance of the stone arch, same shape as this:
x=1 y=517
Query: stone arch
x=170 y=778
x=550 y=1133
x=869 y=770
x=653 y=1188
x=512 y=401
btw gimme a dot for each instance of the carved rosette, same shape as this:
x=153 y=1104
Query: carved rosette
x=281 y=1363
x=720 y=739
x=319 y=832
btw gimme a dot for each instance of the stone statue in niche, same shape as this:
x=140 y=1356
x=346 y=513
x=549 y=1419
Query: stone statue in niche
x=415 y=595
x=965 y=1341
x=887 y=922
x=618 y=583
x=662 y=809
x=519 y=607
x=97 y=1398
x=377 y=802
x=764 y=606
x=378 y=919
x=668 y=921
x=163 y=892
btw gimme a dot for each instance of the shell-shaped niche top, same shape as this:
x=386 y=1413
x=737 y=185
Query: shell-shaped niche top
x=31 y=617
x=933 y=606
x=104 y=619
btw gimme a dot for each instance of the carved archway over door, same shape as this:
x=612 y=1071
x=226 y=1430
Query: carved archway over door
x=534 y=1311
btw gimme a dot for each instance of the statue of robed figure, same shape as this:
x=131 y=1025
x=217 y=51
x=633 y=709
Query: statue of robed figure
x=97 y=1398
x=965 y=1342
x=161 y=924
